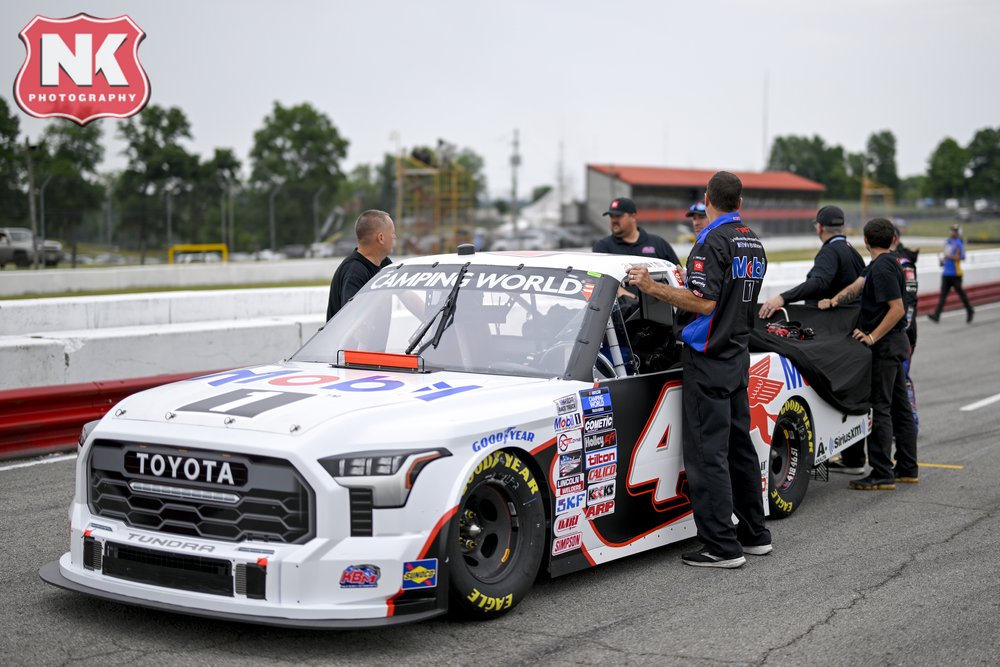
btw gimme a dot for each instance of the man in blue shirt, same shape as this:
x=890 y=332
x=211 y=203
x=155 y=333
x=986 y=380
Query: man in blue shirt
x=951 y=274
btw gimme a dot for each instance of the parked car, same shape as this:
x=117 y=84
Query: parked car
x=465 y=422
x=17 y=247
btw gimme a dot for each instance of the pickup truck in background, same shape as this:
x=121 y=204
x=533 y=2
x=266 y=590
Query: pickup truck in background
x=18 y=247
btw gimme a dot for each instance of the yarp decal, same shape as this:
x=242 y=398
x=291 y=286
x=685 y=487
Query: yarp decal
x=81 y=68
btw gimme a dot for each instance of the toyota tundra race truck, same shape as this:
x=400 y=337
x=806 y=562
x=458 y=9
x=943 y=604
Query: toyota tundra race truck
x=465 y=422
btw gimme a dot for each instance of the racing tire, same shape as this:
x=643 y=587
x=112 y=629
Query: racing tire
x=790 y=460
x=497 y=538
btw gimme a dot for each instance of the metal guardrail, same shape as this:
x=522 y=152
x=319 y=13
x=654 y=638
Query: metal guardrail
x=40 y=420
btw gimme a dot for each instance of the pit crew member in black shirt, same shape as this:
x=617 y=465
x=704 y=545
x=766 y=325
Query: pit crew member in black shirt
x=881 y=325
x=376 y=234
x=627 y=238
x=724 y=274
x=836 y=266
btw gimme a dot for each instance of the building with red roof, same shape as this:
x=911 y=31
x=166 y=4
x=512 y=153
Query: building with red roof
x=774 y=202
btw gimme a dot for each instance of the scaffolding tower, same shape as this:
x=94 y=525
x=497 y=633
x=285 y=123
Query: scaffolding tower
x=434 y=205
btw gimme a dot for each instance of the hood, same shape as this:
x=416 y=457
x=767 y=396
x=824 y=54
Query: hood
x=294 y=398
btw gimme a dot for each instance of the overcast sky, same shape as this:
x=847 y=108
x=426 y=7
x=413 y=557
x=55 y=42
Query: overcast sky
x=649 y=82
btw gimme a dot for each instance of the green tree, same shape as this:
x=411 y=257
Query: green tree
x=296 y=154
x=13 y=198
x=67 y=167
x=984 y=159
x=946 y=170
x=159 y=167
x=881 y=158
x=540 y=191
x=811 y=158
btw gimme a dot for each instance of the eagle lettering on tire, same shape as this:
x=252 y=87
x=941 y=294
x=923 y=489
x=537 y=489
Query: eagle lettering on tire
x=497 y=537
x=793 y=448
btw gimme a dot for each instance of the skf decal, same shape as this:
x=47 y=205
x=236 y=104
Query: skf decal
x=567 y=422
x=566 y=524
x=569 y=503
x=561 y=545
x=602 y=457
x=761 y=390
x=420 y=574
x=360 y=576
x=569 y=441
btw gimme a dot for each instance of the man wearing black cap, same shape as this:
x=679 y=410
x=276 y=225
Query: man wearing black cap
x=836 y=266
x=627 y=238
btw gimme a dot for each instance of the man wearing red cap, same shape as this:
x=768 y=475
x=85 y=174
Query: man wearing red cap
x=627 y=238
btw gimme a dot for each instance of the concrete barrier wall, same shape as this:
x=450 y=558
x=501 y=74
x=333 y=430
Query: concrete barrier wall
x=47 y=342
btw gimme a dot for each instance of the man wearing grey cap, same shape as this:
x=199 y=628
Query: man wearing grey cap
x=836 y=266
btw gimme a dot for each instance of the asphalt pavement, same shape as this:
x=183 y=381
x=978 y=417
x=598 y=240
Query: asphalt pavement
x=896 y=577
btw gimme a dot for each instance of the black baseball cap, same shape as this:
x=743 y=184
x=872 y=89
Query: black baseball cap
x=620 y=206
x=830 y=216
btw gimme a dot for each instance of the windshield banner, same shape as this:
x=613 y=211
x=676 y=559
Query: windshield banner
x=490 y=279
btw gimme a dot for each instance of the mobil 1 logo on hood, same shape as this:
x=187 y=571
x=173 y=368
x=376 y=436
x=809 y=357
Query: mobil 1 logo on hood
x=81 y=68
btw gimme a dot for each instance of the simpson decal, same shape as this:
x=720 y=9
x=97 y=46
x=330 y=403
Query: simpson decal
x=561 y=545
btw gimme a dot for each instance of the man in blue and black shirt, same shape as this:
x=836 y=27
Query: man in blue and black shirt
x=724 y=273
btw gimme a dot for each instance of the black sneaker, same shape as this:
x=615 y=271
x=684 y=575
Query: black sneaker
x=968 y=317
x=934 y=317
x=870 y=483
x=758 y=550
x=907 y=479
x=705 y=559
x=843 y=468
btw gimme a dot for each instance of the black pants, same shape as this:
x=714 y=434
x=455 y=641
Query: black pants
x=892 y=414
x=722 y=467
x=947 y=283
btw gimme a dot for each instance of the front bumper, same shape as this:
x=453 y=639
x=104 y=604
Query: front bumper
x=52 y=573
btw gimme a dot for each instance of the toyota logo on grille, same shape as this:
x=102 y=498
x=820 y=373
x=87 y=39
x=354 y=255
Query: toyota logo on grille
x=186 y=468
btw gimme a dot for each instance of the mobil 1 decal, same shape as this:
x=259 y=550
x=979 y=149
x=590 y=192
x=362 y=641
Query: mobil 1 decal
x=621 y=504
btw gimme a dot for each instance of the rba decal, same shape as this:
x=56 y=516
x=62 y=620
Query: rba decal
x=568 y=543
x=81 y=68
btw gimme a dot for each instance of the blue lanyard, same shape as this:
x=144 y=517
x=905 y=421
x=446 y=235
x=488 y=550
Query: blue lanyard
x=721 y=220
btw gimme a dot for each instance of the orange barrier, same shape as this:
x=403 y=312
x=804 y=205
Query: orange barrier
x=40 y=420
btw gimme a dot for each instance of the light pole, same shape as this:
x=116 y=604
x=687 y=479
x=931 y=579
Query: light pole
x=41 y=206
x=316 y=197
x=28 y=148
x=270 y=213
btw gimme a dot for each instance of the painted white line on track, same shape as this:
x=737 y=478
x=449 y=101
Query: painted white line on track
x=38 y=462
x=980 y=404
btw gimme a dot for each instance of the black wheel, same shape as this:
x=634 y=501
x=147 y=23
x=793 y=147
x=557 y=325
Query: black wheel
x=497 y=538
x=793 y=447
